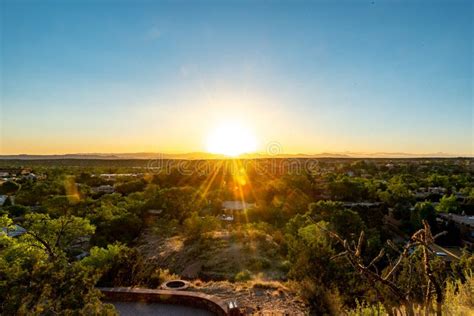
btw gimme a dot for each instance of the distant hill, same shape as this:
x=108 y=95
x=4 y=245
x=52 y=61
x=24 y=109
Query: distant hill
x=115 y=156
x=204 y=155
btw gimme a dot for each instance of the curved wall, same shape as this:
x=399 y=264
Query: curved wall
x=192 y=299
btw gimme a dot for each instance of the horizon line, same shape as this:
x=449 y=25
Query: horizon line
x=208 y=155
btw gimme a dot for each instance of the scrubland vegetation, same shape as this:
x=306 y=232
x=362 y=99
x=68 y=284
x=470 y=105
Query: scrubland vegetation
x=301 y=239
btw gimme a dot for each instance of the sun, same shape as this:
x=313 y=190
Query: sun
x=231 y=139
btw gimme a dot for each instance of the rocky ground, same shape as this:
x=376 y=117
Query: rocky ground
x=256 y=297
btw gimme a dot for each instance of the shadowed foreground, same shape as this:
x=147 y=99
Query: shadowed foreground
x=139 y=309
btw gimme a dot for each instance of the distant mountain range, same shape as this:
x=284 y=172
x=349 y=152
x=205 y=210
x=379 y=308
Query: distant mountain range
x=204 y=155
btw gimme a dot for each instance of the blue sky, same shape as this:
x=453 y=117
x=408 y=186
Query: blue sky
x=315 y=76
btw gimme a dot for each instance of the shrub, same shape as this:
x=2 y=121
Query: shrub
x=196 y=226
x=258 y=264
x=285 y=266
x=459 y=298
x=267 y=285
x=9 y=187
x=243 y=275
x=159 y=276
x=363 y=309
x=131 y=186
x=322 y=300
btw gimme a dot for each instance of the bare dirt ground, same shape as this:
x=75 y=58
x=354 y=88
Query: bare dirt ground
x=217 y=257
x=217 y=261
x=256 y=297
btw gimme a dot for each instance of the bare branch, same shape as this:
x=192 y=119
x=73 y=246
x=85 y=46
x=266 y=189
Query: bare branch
x=440 y=234
x=376 y=259
x=342 y=254
x=48 y=248
x=360 y=243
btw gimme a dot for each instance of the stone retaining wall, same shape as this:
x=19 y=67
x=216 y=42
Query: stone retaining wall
x=192 y=299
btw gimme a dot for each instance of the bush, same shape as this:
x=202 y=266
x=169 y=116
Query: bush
x=459 y=298
x=259 y=264
x=159 y=276
x=9 y=187
x=131 y=186
x=242 y=276
x=323 y=301
x=195 y=226
x=364 y=309
x=17 y=210
x=285 y=266
x=116 y=264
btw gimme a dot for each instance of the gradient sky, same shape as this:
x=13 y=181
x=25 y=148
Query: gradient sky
x=315 y=76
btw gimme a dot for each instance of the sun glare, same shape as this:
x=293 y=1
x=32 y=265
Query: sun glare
x=231 y=139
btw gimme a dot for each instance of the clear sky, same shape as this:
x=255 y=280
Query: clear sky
x=315 y=76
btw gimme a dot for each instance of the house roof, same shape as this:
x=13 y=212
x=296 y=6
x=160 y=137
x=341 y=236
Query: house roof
x=155 y=212
x=3 y=198
x=15 y=231
x=237 y=205
x=461 y=219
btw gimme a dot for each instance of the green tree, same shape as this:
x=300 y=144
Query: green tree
x=195 y=226
x=323 y=210
x=16 y=210
x=448 y=204
x=347 y=223
x=116 y=264
x=131 y=186
x=36 y=192
x=56 y=236
x=34 y=284
x=348 y=190
x=398 y=192
x=309 y=253
x=59 y=205
x=9 y=187
x=177 y=202
x=423 y=211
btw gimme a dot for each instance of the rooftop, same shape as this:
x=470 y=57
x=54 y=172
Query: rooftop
x=237 y=205
x=461 y=219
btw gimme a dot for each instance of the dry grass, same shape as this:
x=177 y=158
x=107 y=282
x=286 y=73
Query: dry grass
x=268 y=285
x=219 y=255
x=259 y=297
